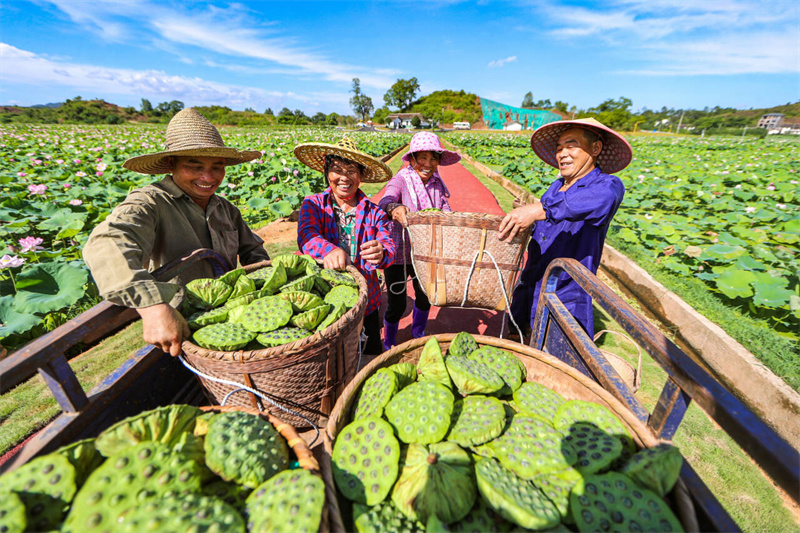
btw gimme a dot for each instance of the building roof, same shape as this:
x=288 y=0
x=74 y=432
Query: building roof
x=404 y=115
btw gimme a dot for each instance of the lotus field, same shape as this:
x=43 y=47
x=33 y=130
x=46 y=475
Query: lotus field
x=59 y=182
x=723 y=210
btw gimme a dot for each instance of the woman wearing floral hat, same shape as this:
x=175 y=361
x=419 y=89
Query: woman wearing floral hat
x=415 y=187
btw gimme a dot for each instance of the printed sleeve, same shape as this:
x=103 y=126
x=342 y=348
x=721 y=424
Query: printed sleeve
x=310 y=231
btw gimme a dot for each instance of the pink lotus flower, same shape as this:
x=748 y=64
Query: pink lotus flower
x=102 y=166
x=272 y=178
x=11 y=261
x=60 y=161
x=80 y=174
x=76 y=202
x=67 y=185
x=76 y=161
x=251 y=173
x=98 y=174
x=37 y=189
x=231 y=185
x=21 y=174
x=296 y=172
x=31 y=244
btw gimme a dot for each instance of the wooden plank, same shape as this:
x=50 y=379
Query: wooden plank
x=64 y=385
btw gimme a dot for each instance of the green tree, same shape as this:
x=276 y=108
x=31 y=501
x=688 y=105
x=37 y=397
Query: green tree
x=333 y=119
x=146 y=106
x=561 y=106
x=269 y=112
x=286 y=116
x=415 y=121
x=319 y=118
x=528 y=100
x=544 y=104
x=380 y=115
x=360 y=102
x=402 y=94
x=175 y=106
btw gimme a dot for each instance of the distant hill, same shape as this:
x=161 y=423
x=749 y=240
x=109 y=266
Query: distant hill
x=448 y=106
x=53 y=105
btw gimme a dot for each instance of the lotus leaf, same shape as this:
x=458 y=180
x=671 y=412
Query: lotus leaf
x=207 y=293
x=43 y=288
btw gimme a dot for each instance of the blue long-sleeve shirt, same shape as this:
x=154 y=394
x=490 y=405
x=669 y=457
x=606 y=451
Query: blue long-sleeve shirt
x=576 y=226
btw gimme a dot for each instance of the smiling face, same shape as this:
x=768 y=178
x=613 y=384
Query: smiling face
x=575 y=154
x=199 y=177
x=425 y=163
x=344 y=178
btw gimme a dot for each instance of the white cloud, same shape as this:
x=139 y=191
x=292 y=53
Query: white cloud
x=502 y=62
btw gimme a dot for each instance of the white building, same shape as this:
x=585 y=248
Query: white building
x=512 y=125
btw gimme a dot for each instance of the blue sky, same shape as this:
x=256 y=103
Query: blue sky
x=303 y=55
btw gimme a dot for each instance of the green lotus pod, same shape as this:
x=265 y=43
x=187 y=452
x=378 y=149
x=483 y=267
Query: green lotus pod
x=236 y=314
x=185 y=513
x=337 y=312
x=537 y=400
x=301 y=300
x=269 y=278
x=463 y=344
x=321 y=285
x=595 y=448
x=292 y=501
x=501 y=362
x=375 y=393
x=147 y=470
x=206 y=318
x=656 y=468
x=163 y=424
x=46 y=486
x=294 y=264
x=246 y=299
x=336 y=278
x=12 y=514
x=304 y=283
x=472 y=377
x=383 y=518
x=431 y=364
x=476 y=420
x=406 y=374
x=282 y=336
x=365 y=460
x=244 y=448
x=421 y=412
x=311 y=318
x=437 y=479
x=582 y=411
x=614 y=501
x=266 y=314
x=435 y=525
x=481 y=518
x=531 y=446
x=225 y=337
x=515 y=499
x=83 y=456
x=231 y=277
x=229 y=492
x=342 y=294
x=207 y=293
x=244 y=285
x=557 y=488
x=311 y=265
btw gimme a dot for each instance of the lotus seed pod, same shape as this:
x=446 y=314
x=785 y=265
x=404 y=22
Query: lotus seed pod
x=501 y=362
x=344 y=295
x=244 y=448
x=236 y=314
x=229 y=492
x=282 y=336
x=207 y=293
x=244 y=285
x=231 y=277
x=301 y=300
x=537 y=400
x=244 y=299
x=431 y=364
x=581 y=411
x=436 y=479
x=375 y=393
x=201 y=424
x=267 y=314
x=46 y=486
x=336 y=313
x=531 y=446
x=557 y=488
x=472 y=377
x=365 y=460
x=435 y=525
x=294 y=265
x=206 y=318
x=292 y=501
x=463 y=344
x=515 y=499
x=270 y=278
x=421 y=412
x=147 y=470
x=336 y=278
x=321 y=285
x=595 y=448
x=303 y=283
x=311 y=318
x=225 y=337
x=406 y=374
x=84 y=458
x=613 y=501
x=383 y=518
x=163 y=424
x=12 y=514
x=480 y=519
x=189 y=513
x=476 y=420
x=656 y=468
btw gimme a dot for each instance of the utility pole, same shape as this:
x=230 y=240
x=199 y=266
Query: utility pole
x=680 y=122
x=743 y=132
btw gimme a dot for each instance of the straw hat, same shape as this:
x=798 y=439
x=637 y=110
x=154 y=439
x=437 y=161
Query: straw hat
x=189 y=133
x=615 y=155
x=313 y=156
x=426 y=141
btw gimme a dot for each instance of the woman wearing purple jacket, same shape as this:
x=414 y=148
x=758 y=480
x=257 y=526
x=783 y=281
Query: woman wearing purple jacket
x=415 y=187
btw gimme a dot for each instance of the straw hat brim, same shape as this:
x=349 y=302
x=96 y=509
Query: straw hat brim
x=157 y=163
x=615 y=155
x=313 y=155
x=448 y=157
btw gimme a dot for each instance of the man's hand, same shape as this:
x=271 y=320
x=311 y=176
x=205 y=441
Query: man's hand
x=399 y=215
x=164 y=327
x=520 y=220
x=337 y=259
x=372 y=251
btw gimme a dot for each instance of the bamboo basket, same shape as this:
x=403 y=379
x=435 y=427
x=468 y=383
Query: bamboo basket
x=459 y=261
x=305 y=376
x=542 y=368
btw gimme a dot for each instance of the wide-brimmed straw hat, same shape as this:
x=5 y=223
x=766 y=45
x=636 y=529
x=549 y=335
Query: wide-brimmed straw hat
x=615 y=155
x=189 y=134
x=426 y=141
x=313 y=156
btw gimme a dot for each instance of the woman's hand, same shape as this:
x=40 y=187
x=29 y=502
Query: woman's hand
x=164 y=327
x=337 y=259
x=372 y=251
x=399 y=215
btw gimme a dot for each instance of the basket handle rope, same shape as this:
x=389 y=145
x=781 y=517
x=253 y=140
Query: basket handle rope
x=405 y=271
x=502 y=288
x=239 y=387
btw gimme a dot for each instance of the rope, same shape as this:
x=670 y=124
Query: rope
x=240 y=387
x=502 y=288
x=403 y=283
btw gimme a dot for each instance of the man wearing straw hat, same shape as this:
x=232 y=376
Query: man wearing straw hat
x=572 y=217
x=166 y=220
x=341 y=226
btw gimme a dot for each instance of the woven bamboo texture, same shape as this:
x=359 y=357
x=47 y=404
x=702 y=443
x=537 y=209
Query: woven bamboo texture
x=542 y=368
x=305 y=376
x=443 y=249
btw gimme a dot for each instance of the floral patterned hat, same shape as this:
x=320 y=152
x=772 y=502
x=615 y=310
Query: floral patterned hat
x=615 y=155
x=426 y=141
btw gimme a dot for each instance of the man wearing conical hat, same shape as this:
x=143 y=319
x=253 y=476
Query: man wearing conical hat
x=572 y=217
x=167 y=220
